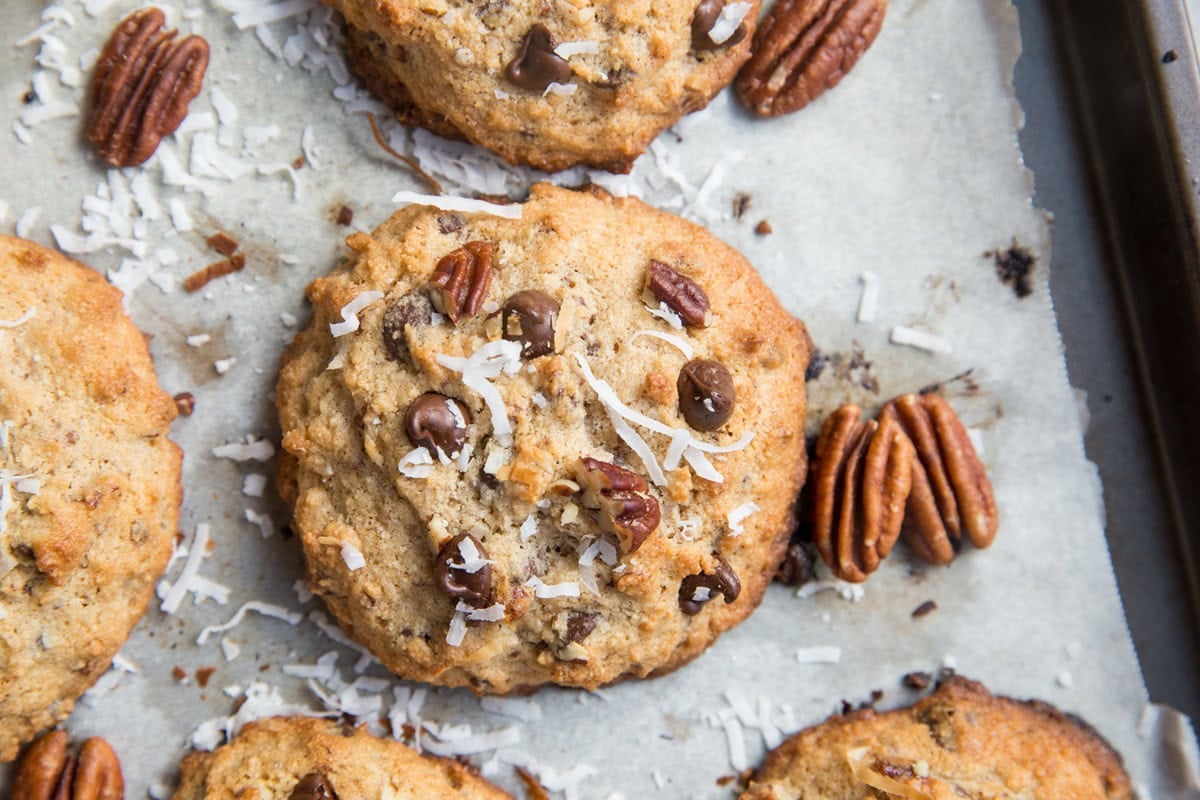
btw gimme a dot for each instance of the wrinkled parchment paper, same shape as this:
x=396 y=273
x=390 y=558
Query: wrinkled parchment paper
x=910 y=170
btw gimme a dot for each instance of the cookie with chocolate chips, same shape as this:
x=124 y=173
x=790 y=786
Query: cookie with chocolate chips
x=583 y=83
x=301 y=758
x=573 y=466
x=89 y=484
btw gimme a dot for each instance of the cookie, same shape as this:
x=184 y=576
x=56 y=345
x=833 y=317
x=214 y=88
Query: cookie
x=89 y=484
x=301 y=758
x=562 y=448
x=960 y=741
x=551 y=86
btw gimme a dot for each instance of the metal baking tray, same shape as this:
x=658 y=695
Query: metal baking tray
x=1111 y=92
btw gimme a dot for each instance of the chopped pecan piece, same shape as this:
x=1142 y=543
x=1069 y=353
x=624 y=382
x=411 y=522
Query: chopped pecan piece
x=48 y=770
x=143 y=83
x=951 y=493
x=681 y=294
x=862 y=477
x=461 y=280
x=802 y=48
x=623 y=499
x=696 y=590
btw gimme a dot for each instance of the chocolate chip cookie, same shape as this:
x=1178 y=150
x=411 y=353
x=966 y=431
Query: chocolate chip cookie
x=549 y=85
x=562 y=448
x=89 y=484
x=300 y=758
x=960 y=741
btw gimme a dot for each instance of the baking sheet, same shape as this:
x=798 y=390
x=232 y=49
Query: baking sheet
x=909 y=169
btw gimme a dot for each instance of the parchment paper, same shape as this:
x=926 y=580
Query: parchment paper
x=910 y=169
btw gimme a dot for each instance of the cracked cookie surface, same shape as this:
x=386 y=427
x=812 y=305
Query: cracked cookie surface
x=89 y=484
x=518 y=498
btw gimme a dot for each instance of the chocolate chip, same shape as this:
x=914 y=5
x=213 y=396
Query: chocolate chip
x=412 y=309
x=928 y=607
x=706 y=394
x=529 y=318
x=580 y=625
x=313 y=786
x=917 y=680
x=696 y=590
x=473 y=587
x=537 y=65
x=431 y=422
x=797 y=566
x=681 y=294
x=702 y=24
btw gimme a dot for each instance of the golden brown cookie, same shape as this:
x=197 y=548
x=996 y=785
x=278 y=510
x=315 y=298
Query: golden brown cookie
x=301 y=758
x=559 y=486
x=960 y=741
x=549 y=85
x=89 y=484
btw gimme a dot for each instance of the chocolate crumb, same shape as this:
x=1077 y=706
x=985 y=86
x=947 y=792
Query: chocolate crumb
x=345 y=215
x=725 y=780
x=917 y=680
x=816 y=365
x=534 y=789
x=298 y=163
x=1014 y=267
x=741 y=203
x=226 y=266
x=928 y=607
x=1169 y=56
x=179 y=674
x=797 y=566
x=223 y=243
x=185 y=403
x=763 y=228
x=203 y=674
x=28 y=97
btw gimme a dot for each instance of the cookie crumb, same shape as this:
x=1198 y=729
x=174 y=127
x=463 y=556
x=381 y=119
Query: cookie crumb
x=534 y=789
x=1169 y=57
x=926 y=608
x=218 y=269
x=223 y=243
x=1014 y=267
x=345 y=215
x=185 y=403
x=203 y=674
x=179 y=674
x=741 y=203
x=763 y=228
x=917 y=680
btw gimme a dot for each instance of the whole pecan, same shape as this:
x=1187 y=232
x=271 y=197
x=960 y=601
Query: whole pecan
x=681 y=294
x=623 y=499
x=802 y=48
x=48 y=770
x=862 y=477
x=461 y=279
x=951 y=493
x=144 y=81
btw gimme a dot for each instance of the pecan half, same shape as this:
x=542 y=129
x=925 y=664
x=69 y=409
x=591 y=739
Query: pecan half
x=681 y=294
x=802 y=48
x=951 y=493
x=623 y=499
x=696 y=590
x=862 y=477
x=48 y=770
x=143 y=83
x=461 y=280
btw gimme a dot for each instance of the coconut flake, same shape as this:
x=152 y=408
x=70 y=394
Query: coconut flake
x=457 y=630
x=821 y=654
x=472 y=559
x=528 y=528
x=582 y=47
x=266 y=609
x=677 y=341
x=251 y=450
x=223 y=365
x=416 y=463
x=563 y=89
x=458 y=744
x=27 y=220
x=249 y=16
x=308 y=145
x=349 y=323
x=484 y=365
x=266 y=526
x=465 y=204
x=738 y=515
x=230 y=649
x=352 y=557
x=180 y=219
x=727 y=23
x=868 y=303
x=191 y=567
x=253 y=484
x=920 y=340
x=665 y=313
x=198 y=339
x=548 y=591
x=21 y=320
x=515 y=707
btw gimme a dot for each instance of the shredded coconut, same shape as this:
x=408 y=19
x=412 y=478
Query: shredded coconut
x=484 y=365
x=465 y=204
x=666 y=314
x=821 y=654
x=528 y=528
x=251 y=450
x=583 y=47
x=738 y=515
x=349 y=323
x=868 y=303
x=548 y=591
x=515 y=707
x=728 y=21
x=416 y=463
x=677 y=341
x=191 y=567
x=266 y=526
x=21 y=320
x=266 y=609
x=920 y=340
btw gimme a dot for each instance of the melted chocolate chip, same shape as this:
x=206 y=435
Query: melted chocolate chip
x=706 y=394
x=696 y=590
x=702 y=24
x=529 y=318
x=313 y=786
x=412 y=309
x=475 y=587
x=431 y=422
x=580 y=625
x=537 y=65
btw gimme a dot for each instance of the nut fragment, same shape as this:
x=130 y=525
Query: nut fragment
x=622 y=497
x=537 y=65
x=313 y=786
x=463 y=571
x=681 y=294
x=862 y=477
x=461 y=280
x=951 y=493
x=696 y=590
x=143 y=83
x=48 y=771
x=802 y=48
